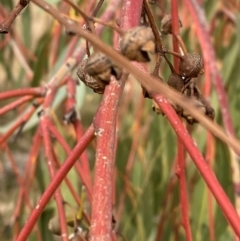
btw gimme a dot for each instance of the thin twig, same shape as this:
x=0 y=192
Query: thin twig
x=6 y=24
x=153 y=26
x=62 y=172
x=201 y=164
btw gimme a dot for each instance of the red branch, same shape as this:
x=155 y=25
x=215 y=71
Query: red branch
x=5 y=25
x=105 y=127
x=58 y=178
x=201 y=164
x=180 y=172
x=48 y=149
x=15 y=104
x=20 y=122
x=210 y=61
x=78 y=166
x=27 y=200
x=75 y=120
x=29 y=172
x=210 y=152
x=38 y=92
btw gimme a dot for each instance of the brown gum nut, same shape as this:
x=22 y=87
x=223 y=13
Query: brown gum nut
x=166 y=24
x=176 y=82
x=101 y=67
x=96 y=85
x=191 y=65
x=53 y=226
x=137 y=43
x=209 y=110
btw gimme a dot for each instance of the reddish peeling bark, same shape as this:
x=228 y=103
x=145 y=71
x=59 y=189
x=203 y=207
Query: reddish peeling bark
x=105 y=127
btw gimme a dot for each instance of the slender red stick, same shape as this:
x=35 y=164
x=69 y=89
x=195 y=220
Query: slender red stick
x=105 y=127
x=209 y=159
x=58 y=178
x=210 y=60
x=68 y=150
x=38 y=91
x=20 y=122
x=48 y=149
x=15 y=104
x=71 y=108
x=180 y=171
x=201 y=164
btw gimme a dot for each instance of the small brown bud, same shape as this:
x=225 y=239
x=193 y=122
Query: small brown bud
x=95 y=84
x=200 y=103
x=191 y=65
x=137 y=43
x=176 y=81
x=100 y=67
x=54 y=226
x=210 y=113
x=166 y=24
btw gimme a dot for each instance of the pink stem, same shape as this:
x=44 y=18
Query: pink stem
x=209 y=159
x=58 y=178
x=68 y=150
x=105 y=127
x=71 y=106
x=20 y=122
x=180 y=172
x=48 y=149
x=210 y=61
x=38 y=91
x=201 y=164
x=15 y=104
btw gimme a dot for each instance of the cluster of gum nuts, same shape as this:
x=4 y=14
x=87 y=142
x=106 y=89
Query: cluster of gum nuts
x=136 y=45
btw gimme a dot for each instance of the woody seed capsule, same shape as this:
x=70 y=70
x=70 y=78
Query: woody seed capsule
x=176 y=81
x=137 y=43
x=166 y=24
x=96 y=85
x=100 y=67
x=191 y=65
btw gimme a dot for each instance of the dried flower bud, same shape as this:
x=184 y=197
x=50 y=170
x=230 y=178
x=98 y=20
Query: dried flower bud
x=176 y=81
x=210 y=113
x=100 y=67
x=54 y=226
x=191 y=65
x=95 y=84
x=200 y=103
x=166 y=24
x=137 y=43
